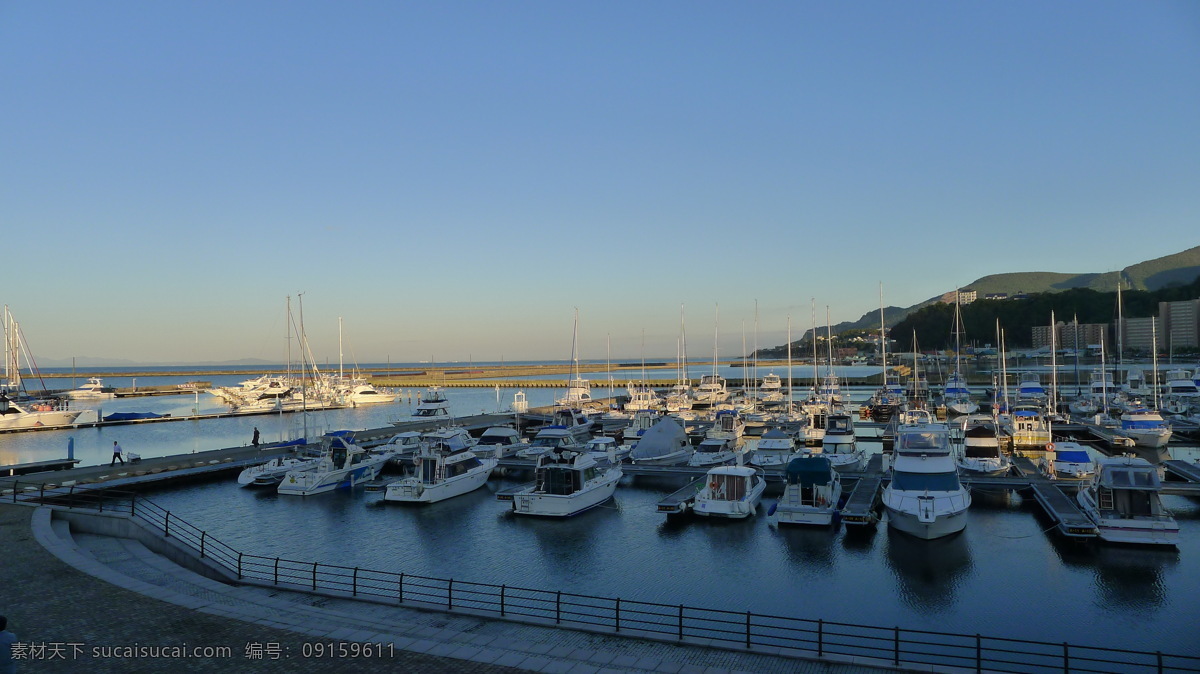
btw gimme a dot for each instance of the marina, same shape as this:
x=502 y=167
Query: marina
x=654 y=500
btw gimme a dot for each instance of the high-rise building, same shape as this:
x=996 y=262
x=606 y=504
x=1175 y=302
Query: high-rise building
x=1180 y=324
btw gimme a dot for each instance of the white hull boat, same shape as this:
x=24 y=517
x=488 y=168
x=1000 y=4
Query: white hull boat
x=567 y=483
x=812 y=493
x=15 y=416
x=272 y=473
x=441 y=476
x=344 y=464
x=732 y=492
x=925 y=498
x=1123 y=501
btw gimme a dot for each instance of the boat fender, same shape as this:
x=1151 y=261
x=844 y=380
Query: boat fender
x=292 y=479
x=712 y=485
x=821 y=500
x=417 y=462
x=1049 y=446
x=772 y=510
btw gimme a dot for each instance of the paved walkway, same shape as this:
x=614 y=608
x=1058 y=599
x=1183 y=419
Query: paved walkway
x=116 y=592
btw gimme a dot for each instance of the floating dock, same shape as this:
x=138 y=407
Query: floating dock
x=1068 y=518
x=682 y=500
x=862 y=506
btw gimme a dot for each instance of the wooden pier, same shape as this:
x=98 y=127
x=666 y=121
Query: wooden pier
x=37 y=467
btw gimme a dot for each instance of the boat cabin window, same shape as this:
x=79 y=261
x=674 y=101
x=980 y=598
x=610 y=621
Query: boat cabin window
x=338 y=456
x=838 y=424
x=925 y=481
x=917 y=441
x=557 y=481
x=1130 y=478
x=428 y=471
x=977 y=452
x=727 y=487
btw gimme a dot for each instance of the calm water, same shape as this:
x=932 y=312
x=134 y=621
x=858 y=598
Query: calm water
x=1004 y=576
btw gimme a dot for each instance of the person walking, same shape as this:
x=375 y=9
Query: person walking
x=7 y=639
x=116 y=455
x=254 y=440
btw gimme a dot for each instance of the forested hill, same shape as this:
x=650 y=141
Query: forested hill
x=933 y=324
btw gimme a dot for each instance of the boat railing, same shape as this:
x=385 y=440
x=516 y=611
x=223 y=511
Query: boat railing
x=677 y=623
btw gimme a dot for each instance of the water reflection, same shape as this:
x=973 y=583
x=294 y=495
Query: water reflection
x=928 y=572
x=1132 y=579
x=808 y=546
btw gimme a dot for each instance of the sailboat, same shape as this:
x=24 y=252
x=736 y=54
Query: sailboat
x=955 y=392
x=579 y=390
x=712 y=390
x=22 y=414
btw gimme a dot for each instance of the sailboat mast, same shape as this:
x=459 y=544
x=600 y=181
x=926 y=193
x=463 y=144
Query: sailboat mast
x=1154 y=360
x=1053 y=365
x=789 y=357
x=1078 y=386
x=816 y=375
x=883 y=336
x=341 y=368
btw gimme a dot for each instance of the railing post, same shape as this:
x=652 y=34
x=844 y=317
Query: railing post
x=618 y=614
x=315 y=576
x=450 y=594
x=1066 y=658
x=71 y=498
x=978 y=654
x=681 y=622
x=401 y=596
x=747 y=629
x=558 y=606
x=354 y=584
x=203 y=535
x=896 y=648
x=42 y=492
x=16 y=483
x=132 y=504
x=239 y=566
x=820 y=637
x=166 y=522
x=501 y=601
x=1158 y=654
x=276 y=570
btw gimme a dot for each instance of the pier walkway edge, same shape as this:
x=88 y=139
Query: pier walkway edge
x=88 y=577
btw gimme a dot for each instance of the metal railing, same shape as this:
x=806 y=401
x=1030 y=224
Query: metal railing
x=799 y=637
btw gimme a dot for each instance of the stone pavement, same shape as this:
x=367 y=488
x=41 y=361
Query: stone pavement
x=115 y=591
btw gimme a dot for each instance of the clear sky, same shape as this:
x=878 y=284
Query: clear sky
x=453 y=178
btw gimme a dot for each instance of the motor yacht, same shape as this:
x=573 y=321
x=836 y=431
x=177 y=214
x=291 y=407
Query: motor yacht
x=1069 y=461
x=839 y=444
x=730 y=491
x=982 y=455
x=500 y=442
x=924 y=497
x=445 y=468
x=1122 y=499
x=270 y=474
x=567 y=482
x=342 y=464
x=812 y=493
x=775 y=448
x=35 y=414
x=666 y=444
x=94 y=388
x=433 y=404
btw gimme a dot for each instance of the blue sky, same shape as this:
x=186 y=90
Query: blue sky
x=453 y=178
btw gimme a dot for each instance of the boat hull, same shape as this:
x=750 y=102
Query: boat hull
x=39 y=419
x=411 y=490
x=804 y=515
x=553 y=505
x=310 y=483
x=672 y=459
x=942 y=525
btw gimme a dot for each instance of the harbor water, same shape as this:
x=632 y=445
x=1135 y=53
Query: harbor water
x=1008 y=574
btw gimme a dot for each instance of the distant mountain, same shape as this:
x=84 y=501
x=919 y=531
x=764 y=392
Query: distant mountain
x=1164 y=272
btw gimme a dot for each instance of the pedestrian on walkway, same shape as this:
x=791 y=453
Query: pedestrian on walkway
x=254 y=441
x=7 y=639
x=116 y=455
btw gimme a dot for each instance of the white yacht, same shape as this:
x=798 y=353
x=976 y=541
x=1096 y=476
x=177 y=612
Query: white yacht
x=831 y=389
x=1122 y=499
x=642 y=397
x=1069 y=461
x=604 y=448
x=812 y=493
x=664 y=445
x=94 y=388
x=1030 y=388
x=343 y=464
x=500 y=442
x=981 y=452
x=433 y=404
x=925 y=498
x=37 y=414
x=770 y=389
x=775 y=448
x=713 y=452
x=444 y=469
x=550 y=438
x=1030 y=430
x=1181 y=383
x=711 y=391
x=367 y=394
x=1146 y=428
x=839 y=444
x=958 y=396
x=402 y=445
x=567 y=482
x=272 y=473
x=730 y=491
x=642 y=421
x=579 y=393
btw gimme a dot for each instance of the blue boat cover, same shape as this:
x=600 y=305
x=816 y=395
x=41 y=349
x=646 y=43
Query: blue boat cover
x=809 y=471
x=1073 y=456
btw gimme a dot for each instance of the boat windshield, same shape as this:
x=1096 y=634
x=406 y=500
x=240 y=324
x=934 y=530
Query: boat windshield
x=1130 y=477
x=925 y=481
x=923 y=441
